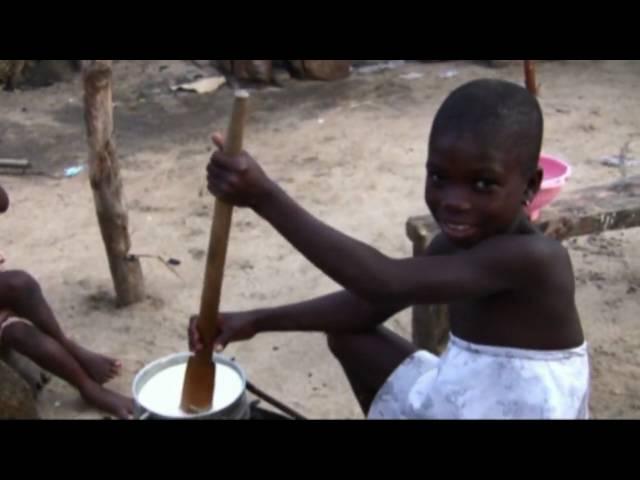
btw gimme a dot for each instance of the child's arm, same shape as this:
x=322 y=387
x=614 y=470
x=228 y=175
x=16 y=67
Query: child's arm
x=337 y=312
x=498 y=264
x=340 y=312
x=334 y=313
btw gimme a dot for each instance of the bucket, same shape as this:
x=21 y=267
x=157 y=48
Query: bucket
x=556 y=173
x=151 y=392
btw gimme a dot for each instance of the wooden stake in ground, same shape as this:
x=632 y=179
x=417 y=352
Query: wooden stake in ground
x=199 y=379
x=106 y=184
x=530 y=77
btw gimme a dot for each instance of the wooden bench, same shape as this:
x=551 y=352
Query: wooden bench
x=586 y=211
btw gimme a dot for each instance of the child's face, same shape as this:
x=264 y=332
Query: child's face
x=473 y=193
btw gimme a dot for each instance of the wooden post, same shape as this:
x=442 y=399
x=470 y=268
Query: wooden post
x=530 y=77
x=106 y=184
x=429 y=323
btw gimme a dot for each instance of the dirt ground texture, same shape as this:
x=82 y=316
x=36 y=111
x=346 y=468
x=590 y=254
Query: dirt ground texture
x=350 y=151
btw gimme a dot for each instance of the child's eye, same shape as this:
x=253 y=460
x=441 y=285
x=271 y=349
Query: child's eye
x=484 y=184
x=435 y=177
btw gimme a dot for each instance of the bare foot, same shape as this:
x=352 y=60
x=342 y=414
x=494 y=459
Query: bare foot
x=109 y=401
x=99 y=367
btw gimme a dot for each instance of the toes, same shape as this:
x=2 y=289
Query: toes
x=126 y=413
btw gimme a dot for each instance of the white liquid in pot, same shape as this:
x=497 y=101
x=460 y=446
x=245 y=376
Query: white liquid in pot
x=162 y=393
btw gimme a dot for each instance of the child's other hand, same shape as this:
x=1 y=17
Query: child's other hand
x=232 y=327
x=237 y=180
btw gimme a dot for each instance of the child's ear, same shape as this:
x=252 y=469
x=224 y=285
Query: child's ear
x=533 y=185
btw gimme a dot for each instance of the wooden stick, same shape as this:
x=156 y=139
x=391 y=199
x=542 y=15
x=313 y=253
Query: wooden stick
x=199 y=382
x=15 y=163
x=272 y=401
x=218 y=240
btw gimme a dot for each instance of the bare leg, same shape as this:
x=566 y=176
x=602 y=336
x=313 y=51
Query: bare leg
x=21 y=293
x=368 y=359
x=50 y=355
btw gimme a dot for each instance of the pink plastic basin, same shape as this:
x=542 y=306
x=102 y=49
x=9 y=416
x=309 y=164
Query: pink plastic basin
x=556 y=173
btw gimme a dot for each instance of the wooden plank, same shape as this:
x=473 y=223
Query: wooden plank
x=586 y=211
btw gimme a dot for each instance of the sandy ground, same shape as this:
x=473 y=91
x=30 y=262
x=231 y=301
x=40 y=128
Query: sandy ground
x=350 y=151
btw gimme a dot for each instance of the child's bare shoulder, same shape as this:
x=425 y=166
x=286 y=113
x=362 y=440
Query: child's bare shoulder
x=540 y=247
x=531 y=257
x=534 y=246
x=535 y=256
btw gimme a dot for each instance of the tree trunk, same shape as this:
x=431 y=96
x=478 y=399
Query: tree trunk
x=106 y=184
